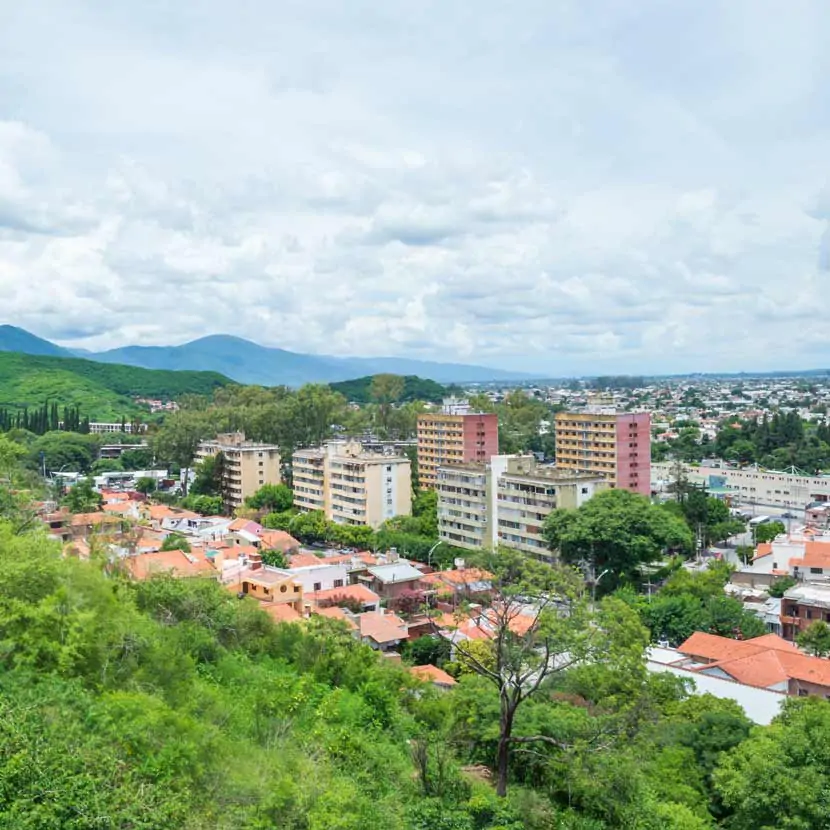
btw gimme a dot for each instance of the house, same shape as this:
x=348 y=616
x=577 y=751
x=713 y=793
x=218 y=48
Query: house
x=271 y=586
x=349 y=596
x=83 y=524
x=432 y=674
x=390 y=581
x=319 y=576
x=802 y=605
x=173 y=562
x=459 y=583
x=382 y=631
x=767 y=662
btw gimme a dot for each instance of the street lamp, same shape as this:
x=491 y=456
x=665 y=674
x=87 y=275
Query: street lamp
x=431 y=550
x=594 y=586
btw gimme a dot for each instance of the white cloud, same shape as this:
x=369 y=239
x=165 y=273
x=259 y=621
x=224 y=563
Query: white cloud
x=563 y=187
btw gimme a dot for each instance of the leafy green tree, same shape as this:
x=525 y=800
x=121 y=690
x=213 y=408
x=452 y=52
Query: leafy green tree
x=275 y=498
x=64 y=450
x=175 y=541
x=207 y=480
x=106 y=465
x=616 y=531
x=178 y=439
x=768 y=531
x=83 y=497
x=145 y=485
x=140 y=458
x=427 y=651
x=204 y=505
x=386 y=390
x=781 y=585
x=749 y=778
x=815 y=639
x=274 y=558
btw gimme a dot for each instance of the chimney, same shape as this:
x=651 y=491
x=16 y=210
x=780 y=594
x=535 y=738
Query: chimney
x=255 y=560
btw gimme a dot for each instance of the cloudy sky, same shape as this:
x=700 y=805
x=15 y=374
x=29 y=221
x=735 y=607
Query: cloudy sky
x=557 y=186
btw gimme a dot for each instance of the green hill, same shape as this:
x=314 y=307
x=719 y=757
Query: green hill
x=103 y=391
x=414 y=389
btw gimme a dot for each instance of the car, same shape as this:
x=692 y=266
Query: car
x=788 y=515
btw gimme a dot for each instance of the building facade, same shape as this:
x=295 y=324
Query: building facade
x=245 y=466
x=616 y=445
x=506 y=501
x=749 y=485
x=351 y=485
x=454 y=438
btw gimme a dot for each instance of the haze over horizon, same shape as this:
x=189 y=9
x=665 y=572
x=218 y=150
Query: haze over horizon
x=561 y=188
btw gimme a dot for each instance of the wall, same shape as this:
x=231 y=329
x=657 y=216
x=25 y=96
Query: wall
x=480 y=437
x=633 y=451
x=324 y=574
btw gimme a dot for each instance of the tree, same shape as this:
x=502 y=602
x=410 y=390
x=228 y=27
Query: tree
x=274 y=558
x=207 y=480
x=778 y=777
x=273 y=498
x=145 y=485
x=427 y=651
x=538 y=627
x=178 y=439
x=768 y=531
x=175 y=541
x=781 y=585
x=204 y=505
x=616 y=531
x=139 y=458
x=83 y=497
x=815 y=639
x=386 y=390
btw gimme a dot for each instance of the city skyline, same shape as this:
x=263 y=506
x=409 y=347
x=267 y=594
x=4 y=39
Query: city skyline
x=560 y=189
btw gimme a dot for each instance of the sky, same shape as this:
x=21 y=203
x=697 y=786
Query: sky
x=552 y=186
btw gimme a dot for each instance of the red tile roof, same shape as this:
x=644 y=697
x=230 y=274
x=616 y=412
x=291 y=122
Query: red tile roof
x=347 y=594
x=278 y=540
x=433 y=674
x=382 y=628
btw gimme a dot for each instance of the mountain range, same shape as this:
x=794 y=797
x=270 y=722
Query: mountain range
x=247 y=362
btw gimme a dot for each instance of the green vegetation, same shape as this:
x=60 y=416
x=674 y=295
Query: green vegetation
x=768 y=531
x=412 y=388
x=695 y=601
x=521 y=422
x=274 y=498
x=99 y=391
x=617 y=532
x=815 y=639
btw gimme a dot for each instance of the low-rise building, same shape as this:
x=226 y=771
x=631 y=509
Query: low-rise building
x=802 y=605
x=351 y=485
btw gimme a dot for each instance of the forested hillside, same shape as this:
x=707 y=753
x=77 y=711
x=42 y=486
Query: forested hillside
x=101 y=391
x=405 y=388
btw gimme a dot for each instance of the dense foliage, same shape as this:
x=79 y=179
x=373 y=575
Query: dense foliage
x=413 y=388
x=100 y=391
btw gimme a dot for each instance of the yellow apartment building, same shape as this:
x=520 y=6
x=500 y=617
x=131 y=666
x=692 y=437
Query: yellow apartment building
x=351 y=485
x=246 y=466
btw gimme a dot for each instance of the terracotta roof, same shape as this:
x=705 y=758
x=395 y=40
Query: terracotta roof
x=163 y=511
x=348 y=593
x=306 y=560
x=816 y=555
x=763 y=549
x=762 y=669
x=281 y=611
x=335 y=613
x=382 y=628
x=433 y=674
x=717 y=649
x=245 y=524
x=118 y=507
x=174 y=562
x=278 y=540
x=81 y=519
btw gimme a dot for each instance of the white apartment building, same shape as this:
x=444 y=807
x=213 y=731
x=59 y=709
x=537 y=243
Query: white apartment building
x=352 y=486
x=749 y=485
x=506 y=502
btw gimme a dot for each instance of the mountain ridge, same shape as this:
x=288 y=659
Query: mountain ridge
x=247 y=362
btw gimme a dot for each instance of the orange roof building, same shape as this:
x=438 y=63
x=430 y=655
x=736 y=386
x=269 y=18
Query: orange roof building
x=432 y=674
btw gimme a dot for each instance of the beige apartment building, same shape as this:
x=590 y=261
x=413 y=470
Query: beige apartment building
x=246 y=466
x=506 y=502
x=351 y=485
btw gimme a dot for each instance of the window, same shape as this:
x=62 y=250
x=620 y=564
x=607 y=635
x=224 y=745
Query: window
x=803 y=693
x=338 y=583
x=815 y=570
x=318 y=586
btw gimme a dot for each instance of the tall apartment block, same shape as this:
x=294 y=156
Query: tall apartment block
x=246 y=466
x=454 y=437
x=351 y=485
x=615 y=444
x=506 y=501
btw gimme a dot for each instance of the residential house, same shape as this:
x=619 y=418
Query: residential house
x=381 y=630
x=390 y=581
x=432 y=674
x=803 y=605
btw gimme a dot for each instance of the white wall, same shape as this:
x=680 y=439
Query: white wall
x=324 y=574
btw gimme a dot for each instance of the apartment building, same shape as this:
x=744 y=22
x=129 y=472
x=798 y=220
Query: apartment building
x=614 y=444
x=245 y=466
x=454 y=436
x=506 y=501
x=351 y=485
